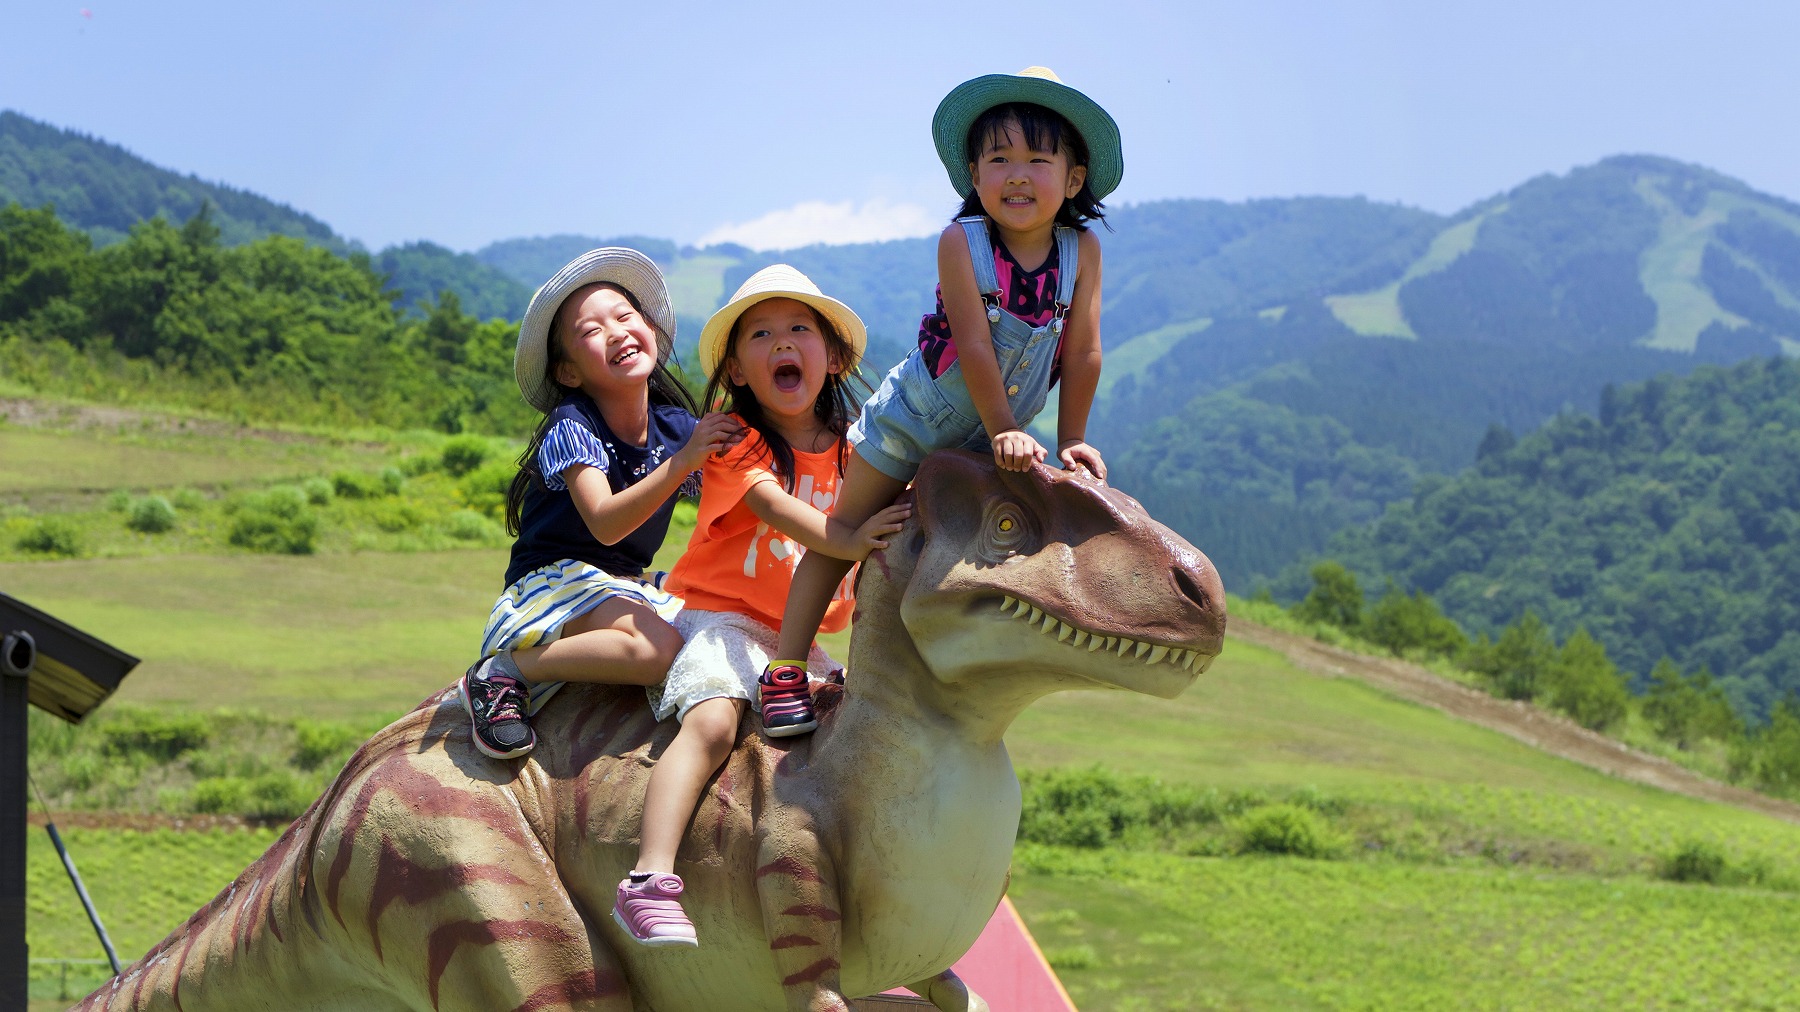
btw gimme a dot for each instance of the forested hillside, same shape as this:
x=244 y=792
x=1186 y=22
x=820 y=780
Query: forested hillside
x=1669 y=526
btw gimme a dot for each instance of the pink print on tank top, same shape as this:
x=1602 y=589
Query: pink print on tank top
x=1028 y=295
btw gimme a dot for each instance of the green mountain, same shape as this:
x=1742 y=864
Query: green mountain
x=1668 y=526
x=103 y=189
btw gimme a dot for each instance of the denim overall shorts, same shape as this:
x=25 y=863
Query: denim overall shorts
x=913 y=414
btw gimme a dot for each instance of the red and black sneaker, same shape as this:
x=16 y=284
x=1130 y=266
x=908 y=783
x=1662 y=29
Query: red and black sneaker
x=786 y=700
x=496 y=703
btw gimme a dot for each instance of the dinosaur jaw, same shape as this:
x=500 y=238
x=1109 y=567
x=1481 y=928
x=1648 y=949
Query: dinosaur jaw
x=1191 y=659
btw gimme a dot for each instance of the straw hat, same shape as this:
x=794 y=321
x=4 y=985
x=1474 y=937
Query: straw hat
x=1039 y=86
x=780 y=281
x=613 y=265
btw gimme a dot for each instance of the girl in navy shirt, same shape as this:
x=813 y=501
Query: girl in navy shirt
x=592 y=499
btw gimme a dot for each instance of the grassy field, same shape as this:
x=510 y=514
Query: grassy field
x=1469 y=870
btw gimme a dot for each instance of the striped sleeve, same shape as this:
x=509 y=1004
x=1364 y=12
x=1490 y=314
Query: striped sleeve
x=690 y=486
x=566 y=444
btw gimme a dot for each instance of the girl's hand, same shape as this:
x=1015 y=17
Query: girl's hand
x=715 y=433
x=1014 y=450
x=874 y=533
x=1077 y=453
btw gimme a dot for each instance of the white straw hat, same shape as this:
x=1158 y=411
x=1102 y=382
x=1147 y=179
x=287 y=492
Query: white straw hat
x=779 y=281
x=613 y=265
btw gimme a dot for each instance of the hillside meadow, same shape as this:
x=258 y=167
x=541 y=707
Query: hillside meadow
x=1270 y=839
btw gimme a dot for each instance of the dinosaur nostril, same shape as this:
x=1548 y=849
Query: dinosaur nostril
x=1190 y=588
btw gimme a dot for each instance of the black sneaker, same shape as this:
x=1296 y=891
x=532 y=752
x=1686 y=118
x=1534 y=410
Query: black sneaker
x=786 y=701
x=496 y=705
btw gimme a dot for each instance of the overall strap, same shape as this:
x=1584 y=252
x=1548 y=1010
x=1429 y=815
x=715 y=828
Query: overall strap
x=1068 y=252
x=981 y=255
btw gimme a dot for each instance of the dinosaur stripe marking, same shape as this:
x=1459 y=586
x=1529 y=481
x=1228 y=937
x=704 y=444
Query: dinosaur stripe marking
x=398 y=877
x=581 y=987
x=813 y=910
x=811 y=973
x=430 y=799
x=792 y=867
x=447 y=938
x=790 y=941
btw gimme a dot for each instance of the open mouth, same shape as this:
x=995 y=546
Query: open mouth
x=1019 y=200
x=788 y=377
x=625 y=356
x=1124 y=646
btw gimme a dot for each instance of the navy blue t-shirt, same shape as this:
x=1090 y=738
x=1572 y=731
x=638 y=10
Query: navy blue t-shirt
x=551 y=528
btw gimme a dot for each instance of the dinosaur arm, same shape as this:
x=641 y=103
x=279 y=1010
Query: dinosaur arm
x=803 y=917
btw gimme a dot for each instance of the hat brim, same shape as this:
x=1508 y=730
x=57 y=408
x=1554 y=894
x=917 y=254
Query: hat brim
x=613 y=265
x=967 y=101
x=717 y=332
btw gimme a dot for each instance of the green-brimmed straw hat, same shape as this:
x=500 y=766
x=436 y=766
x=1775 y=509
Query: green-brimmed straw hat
x=779 y=281
x=613 y=265
x=1039 y=86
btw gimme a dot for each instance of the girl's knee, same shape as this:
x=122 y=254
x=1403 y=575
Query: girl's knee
x=659 y=642
x=714 y=723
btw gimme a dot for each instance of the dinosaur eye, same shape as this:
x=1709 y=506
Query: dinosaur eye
x=1007 y=529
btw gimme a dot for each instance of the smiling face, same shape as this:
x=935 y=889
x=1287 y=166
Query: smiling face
x=1021 y=187
x=780 y=352
x=608 y=346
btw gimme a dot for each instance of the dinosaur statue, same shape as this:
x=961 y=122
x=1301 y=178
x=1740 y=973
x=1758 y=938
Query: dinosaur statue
x=865 y=856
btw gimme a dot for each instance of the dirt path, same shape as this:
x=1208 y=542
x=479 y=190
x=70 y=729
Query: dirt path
x=1537 y=728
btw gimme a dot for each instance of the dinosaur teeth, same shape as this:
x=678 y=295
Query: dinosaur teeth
x=1063 y=631
x=1036 y=613
x=1007 y=601
x=1095 y=642
x=1124 y=644
x=1081 y=637
x=1142 y=649
x=1048 y=623
x=1157 y=654
x=1193 y=663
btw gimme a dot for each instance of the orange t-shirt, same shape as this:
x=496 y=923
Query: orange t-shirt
x=734 y=561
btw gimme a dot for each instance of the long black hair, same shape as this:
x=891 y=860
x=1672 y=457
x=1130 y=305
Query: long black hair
x=1044 y=130
x=835 y=408
x=665 y=388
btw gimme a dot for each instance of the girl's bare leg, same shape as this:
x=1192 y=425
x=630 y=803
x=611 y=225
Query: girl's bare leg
x=620 y=642
x=864 y=493
x=699 y=749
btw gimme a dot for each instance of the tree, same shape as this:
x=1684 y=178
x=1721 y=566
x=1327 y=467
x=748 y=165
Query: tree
x=1400 y=623
x=1518 y=663
x=1584 y=684
x=1687 y=708
x=1336 y=598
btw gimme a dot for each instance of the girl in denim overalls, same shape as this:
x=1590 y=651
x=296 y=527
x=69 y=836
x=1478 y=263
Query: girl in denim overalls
x=1018 y=309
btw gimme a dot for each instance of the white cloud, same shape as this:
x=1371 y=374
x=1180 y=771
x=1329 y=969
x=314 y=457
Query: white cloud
x=815 y=221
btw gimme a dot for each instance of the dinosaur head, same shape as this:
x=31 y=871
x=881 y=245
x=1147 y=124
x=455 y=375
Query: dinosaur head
x=1051 y=577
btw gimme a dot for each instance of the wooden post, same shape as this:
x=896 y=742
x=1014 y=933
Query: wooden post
x=14 y=961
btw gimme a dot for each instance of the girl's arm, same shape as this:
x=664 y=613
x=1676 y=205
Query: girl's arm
x=612 y=516
x=1081 y=365
x=803 y=522
x=1013 y=449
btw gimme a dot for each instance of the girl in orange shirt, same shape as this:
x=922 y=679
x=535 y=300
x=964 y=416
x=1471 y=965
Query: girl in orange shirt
x=780 y=353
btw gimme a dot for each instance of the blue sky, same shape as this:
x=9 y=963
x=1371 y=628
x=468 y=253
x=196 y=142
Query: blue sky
x=777 y=124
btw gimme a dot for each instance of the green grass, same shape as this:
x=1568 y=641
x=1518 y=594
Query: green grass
x=1154 y=931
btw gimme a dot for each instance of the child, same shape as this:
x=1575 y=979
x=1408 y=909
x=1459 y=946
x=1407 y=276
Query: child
x=1031 y=158
x=593 y=496
x=783 y=353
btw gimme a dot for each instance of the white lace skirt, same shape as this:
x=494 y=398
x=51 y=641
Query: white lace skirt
x=725 y=654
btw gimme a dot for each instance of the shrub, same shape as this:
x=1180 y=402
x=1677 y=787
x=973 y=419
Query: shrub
x=468 y=525
x=352 y=485
x=1687 y=708
x=463 y=454
x=118 y=502
x=318 y=742
x=220 y=795
x=485 y=489
x=1518 y=663
x=53 y=536
x=392 y=481
x=151 y=515
x=276 y=521
x=319 y=491
x=395 y=517
x=1695 y=861
x=1401 y=623
x=1287 y=829
x=189 y=499
x=160 y=736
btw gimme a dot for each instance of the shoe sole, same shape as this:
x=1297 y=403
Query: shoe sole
x=462 y=686
x=790 y=730
x=654 y=943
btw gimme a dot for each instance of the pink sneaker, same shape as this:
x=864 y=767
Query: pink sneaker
x=651 y=913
